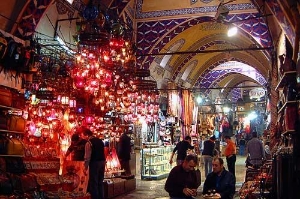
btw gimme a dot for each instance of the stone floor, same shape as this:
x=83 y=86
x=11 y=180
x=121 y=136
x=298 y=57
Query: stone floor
x=155 y=189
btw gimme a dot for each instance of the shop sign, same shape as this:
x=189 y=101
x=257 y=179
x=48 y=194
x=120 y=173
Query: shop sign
x=257 y=93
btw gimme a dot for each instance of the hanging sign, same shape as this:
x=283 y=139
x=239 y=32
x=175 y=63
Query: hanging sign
x=257 y=93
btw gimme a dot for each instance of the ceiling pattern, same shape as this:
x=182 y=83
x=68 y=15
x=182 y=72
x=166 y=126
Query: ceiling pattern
x=208 y=45
x=235 y=94
x=31 y=16
x=213 y=64
x=150 y=32
x=214 y=76
x=184 y=11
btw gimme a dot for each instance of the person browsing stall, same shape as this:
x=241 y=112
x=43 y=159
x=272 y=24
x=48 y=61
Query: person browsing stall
x=182 y=181
x=230 y=153
x=181 y=148
x=220 y=182
x=124 y=151
x=255 y=151
x=76 y=149
x=208 y=153
x=94 y=161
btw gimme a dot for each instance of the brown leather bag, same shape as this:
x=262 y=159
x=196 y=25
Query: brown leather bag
x=5 y=96
x=3 y=122
x=15 y=147
x=18 y=99
x=16 y=123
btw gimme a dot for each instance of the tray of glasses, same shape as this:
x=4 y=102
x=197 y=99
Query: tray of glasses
x=211 y=196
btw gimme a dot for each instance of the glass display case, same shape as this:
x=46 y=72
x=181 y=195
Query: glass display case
x=155 y=162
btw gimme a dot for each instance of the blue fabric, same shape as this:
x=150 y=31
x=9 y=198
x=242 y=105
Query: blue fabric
x=207 y=164
x=242 y=149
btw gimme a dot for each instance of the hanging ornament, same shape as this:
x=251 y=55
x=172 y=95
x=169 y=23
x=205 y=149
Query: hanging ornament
x=100 y=20
x=90 y=12
x=117 y=29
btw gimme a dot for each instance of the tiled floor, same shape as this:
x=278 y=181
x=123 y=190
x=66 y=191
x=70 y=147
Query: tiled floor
x=155 y=189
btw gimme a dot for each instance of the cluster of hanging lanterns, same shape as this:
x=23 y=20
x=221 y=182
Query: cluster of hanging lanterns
x=105 y=69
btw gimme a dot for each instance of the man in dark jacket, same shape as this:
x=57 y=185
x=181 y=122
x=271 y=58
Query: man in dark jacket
x=220 y=181
x=182 y=180
x=76 y=148
x=124 y=150
x=255 y=151
x=94 y=161
x=208 y=154
x=181 y=148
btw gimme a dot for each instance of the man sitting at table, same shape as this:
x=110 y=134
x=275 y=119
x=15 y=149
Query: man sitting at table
x=220 y=181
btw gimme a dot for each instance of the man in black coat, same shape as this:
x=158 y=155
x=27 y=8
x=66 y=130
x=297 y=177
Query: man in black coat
x=181 y=148
x=220 y=181
x=124 y=150
x=182 y=182
x=94 y=162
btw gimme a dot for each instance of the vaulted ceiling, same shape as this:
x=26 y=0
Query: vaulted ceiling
x=179 y=41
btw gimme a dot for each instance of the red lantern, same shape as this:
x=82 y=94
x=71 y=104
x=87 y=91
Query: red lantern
x=79 y=82
x=72 y=117
x=72 y=103
x=89 y=119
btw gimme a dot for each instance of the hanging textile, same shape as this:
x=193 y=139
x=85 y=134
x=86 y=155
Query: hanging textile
x=187 y=112
x=172 y=99
x=195 y=113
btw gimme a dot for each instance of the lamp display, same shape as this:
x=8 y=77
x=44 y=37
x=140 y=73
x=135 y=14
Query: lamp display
x=102 y=89
x=65 y=100
x=72 y=103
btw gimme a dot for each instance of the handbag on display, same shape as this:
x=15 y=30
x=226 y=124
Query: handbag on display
x=5 y=96
x=18 y=99
x=16 y=123
x=3 y=122
x=15 y=147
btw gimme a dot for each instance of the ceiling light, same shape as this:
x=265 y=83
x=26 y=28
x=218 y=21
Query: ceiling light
x=232 y=31
x=199 y=100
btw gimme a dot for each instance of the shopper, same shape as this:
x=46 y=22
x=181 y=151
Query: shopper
x=76 y=149
x=230 y=153
x=255 y=151
x=182 y=181
x=94 y=161
x=208 y=153
x=124 y=151
x=220 y=181
x=181 y=148
x=242 y=145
